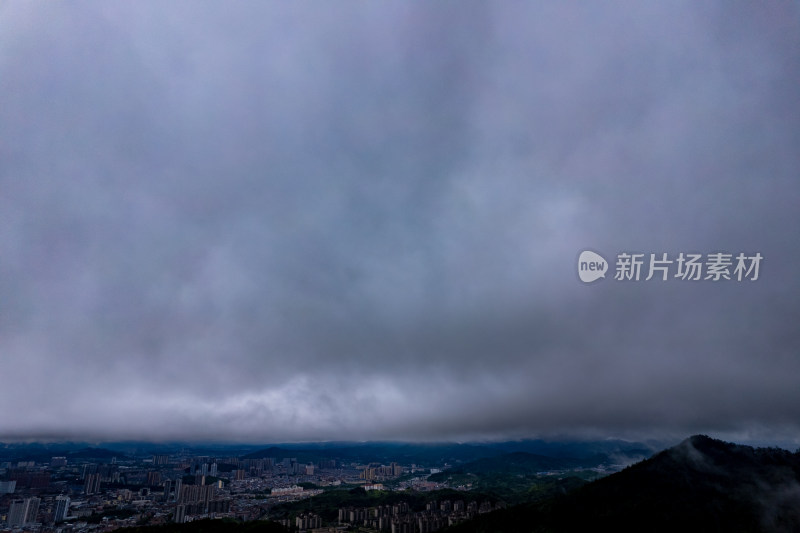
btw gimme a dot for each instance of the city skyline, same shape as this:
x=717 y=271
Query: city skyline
x=275 y=222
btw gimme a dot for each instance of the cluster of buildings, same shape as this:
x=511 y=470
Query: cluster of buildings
x=96 y=495
x=199 y=499
x=399 y=518
x=303 y=522
x=377 y=472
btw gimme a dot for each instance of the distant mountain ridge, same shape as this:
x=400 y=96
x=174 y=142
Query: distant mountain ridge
x=456 y=453
x=44 y=455
x=425 y=454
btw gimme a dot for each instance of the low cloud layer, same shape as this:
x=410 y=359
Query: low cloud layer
x=272 y=222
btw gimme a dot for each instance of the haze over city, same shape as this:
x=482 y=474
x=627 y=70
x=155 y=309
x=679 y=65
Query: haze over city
x=275 y=222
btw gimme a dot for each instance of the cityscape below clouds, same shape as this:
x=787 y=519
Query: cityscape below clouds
x=284 y=222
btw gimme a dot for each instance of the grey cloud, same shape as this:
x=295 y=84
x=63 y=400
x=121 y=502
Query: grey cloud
x=276 y=222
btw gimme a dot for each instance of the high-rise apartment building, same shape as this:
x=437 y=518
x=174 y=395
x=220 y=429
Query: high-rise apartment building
x=92 y=485
x=23 y=512
x=61 y=509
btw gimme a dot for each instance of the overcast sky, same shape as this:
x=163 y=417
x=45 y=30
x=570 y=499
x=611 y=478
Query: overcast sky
x=267 y=222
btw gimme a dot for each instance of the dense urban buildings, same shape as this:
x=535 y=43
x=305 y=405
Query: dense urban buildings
x=85 y=493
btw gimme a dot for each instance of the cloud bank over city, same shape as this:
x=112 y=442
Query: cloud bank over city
x=284 y=222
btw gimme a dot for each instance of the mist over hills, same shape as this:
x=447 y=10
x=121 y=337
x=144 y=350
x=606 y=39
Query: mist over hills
x=702 y=484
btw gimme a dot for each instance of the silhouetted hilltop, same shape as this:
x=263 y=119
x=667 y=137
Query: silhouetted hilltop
x=702 y=484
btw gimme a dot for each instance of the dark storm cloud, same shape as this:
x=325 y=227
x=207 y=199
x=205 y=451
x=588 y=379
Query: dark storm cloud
x=275 y=222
